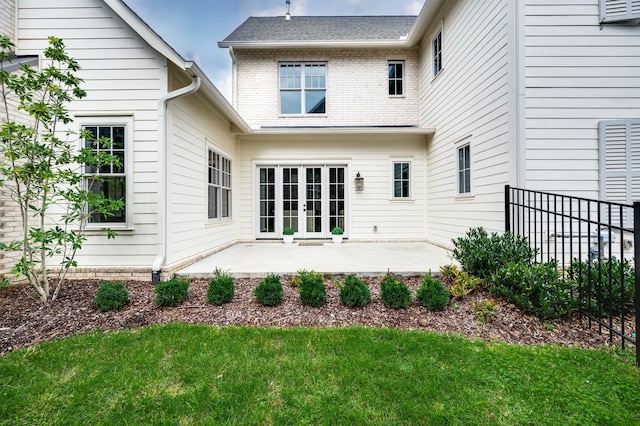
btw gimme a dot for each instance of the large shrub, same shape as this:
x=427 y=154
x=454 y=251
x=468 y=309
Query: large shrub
x=311 y=288
x=221 y=288
x=432 y=294
x=536 y=289
x=269 y=291
x=394 y=292
x=171 y=292
x=482 y=255
x=606 y=286
x=354 y=292
x=111 y=296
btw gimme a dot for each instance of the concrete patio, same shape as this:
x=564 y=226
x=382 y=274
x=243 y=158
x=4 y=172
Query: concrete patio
x=256 y=259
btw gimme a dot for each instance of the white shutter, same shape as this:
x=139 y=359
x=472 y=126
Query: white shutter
x=620 y=162
x=619 y=10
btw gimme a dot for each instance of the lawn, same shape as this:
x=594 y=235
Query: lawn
x=193 y=374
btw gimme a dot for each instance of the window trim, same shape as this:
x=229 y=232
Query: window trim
x=221 y=174
x=437 y=56
x=302 y=89
x=125 y=121
x=464 y=145
x=410 y=179
x=402 y=79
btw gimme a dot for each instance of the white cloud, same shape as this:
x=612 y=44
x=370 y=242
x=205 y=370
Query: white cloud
x=414 y=7
x=225 y=85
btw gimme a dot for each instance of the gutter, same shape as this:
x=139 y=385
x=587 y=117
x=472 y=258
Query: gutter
x=162 y=175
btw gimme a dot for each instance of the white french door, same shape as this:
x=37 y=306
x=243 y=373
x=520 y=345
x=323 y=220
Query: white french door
x=310 y=199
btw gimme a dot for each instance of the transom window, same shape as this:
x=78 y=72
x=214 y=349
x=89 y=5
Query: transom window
x=219 y=186
x=437 y=53
x=464 y=169
x=303 y=88
x=112 y=178
x=396 y=78
x=401 y=179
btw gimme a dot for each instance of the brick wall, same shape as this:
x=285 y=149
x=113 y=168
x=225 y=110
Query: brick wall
x=357 y=87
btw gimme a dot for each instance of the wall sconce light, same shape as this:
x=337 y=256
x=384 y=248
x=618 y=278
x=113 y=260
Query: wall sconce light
x=359 y=182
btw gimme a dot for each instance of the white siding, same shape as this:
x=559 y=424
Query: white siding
x=577 y=74
x=357 y=87
x=471 y=100
x=193 y=128
x=372 y=156
x=123 y=77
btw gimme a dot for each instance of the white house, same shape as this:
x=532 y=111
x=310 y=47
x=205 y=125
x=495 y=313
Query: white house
x=393 y=128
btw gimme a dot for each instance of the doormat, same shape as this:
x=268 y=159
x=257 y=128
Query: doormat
x=310 y=243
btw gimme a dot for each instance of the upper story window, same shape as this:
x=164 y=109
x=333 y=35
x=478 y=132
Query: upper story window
x=110 y=180
x=218 y=186
x=436 y=45
x=303 y=88
x=396 y=78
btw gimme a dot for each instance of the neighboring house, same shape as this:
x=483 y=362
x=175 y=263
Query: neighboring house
x=431 y=116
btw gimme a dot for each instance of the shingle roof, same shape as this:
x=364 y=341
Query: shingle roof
x=320 y=28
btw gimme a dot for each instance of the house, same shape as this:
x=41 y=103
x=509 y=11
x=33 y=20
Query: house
x=392 y=128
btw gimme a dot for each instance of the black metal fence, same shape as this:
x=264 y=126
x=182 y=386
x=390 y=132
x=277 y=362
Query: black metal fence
x=597 y=246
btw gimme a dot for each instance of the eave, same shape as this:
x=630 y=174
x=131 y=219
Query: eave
x=315 y=44
x=343 y=130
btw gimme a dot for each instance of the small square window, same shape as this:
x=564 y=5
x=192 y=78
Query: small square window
x=303 y=88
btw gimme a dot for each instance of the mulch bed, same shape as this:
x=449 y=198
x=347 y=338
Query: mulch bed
x=24 y=321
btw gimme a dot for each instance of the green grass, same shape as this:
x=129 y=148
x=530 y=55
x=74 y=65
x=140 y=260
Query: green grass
x=190 y=374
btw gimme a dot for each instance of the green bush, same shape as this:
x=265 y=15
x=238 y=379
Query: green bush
x=311 y=288
x=269 y=291
x=111 y=296
x=482 y=255
x=171 y=292
x=354 y=292
x=221 y=288
x=463 y=284
x=432 y=294
x=597 y=296
x=394 y=292
x=535 y=288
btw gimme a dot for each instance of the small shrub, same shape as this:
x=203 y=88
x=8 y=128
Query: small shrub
x=354 y=292
x=598 y=297
x=484 y=310
x=432 y=294
x=311 y=288
x=394 y=293
x=449 y=271
x=111 y=296
x=221 y=288
x=288 y=231
x=269 y=291
x=337 y=231
x=463 y=284
x=482 y=255
x=536 y=288
x=171 y=292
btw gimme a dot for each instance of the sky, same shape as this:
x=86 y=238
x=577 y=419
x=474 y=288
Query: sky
x=194 y=27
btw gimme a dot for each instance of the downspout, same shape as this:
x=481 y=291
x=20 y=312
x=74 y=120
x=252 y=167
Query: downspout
x=521 y=99
x=162 y=174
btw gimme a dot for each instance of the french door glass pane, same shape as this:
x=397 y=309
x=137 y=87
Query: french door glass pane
x=290 y=198
x=267 y=200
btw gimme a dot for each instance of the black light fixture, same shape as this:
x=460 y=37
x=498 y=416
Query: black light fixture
x=359 y=182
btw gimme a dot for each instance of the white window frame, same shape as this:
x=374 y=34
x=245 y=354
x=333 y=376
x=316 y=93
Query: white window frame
x=437 y=52
x=303 y=89
x=220 y=178
x=461 y=187
x=125 y=121
x=409 y=180
x=612 y=11
x=395 y=79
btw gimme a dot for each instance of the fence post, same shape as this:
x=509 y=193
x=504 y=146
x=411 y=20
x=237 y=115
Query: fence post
x=636 y=250
x=507 y=208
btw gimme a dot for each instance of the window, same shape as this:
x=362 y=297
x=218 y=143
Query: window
x=619 y=11
x=437 y=53
x=464 y=169
x=401 y=179
x=219 y=186
x=620 y=161
x=112 y=182
x=303 y=88
x=396 y=76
